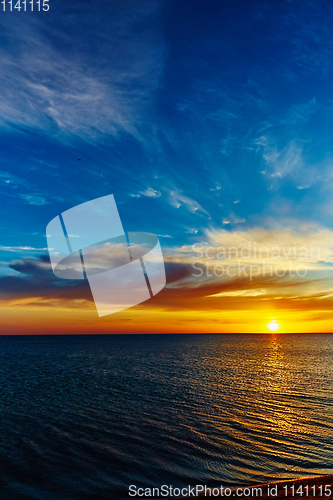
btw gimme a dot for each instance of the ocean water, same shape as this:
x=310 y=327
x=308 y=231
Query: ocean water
x=83 y=417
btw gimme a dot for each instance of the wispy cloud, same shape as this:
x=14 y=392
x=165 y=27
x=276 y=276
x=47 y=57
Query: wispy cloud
x=149 y=192
x=21 y=248
x=301 y=113
x=48 y=84
x=177 y=199
x=280 y=163
x=33 y=199
x=232 y=219
x=12 y=181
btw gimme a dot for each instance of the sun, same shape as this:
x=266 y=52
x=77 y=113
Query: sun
x=273 y=326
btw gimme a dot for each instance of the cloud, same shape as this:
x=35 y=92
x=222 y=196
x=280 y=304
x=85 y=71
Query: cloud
x=290 y=162
x=301 y=113
x=47 y=83
x=33 y=199
x=303 y=242
x=177 y=272
x=289 y=146
x=307 y=246
x=13 y=184
x=216 y=188
x=36 y=284
x=187 y=289
x=12 y=181
x=177 y=199
x=310 y=39
x=232 y=219
x=149 y=192
x=20 y=248
x=281 y=162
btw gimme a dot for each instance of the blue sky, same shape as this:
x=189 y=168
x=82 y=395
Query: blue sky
x=197 y=116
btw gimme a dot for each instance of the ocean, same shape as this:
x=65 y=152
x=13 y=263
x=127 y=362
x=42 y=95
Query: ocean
x=85 y=416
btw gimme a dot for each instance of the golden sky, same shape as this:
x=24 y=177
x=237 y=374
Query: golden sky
x=197 y=298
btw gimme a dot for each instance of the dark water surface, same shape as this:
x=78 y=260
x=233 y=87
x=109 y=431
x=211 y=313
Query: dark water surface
x=83 y=417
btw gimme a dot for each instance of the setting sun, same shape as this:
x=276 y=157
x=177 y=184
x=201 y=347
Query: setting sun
x=273 y=326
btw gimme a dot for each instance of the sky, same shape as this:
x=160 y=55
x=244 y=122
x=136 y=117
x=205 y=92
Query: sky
x=211 y=123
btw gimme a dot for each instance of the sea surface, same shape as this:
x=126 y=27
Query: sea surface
x=84 y=417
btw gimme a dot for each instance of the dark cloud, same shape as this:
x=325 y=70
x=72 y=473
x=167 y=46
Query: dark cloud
x=184 y=291
x=36 y=279
x=177 y=271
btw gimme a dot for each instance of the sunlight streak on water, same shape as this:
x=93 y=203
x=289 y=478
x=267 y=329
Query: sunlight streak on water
x=85 y=416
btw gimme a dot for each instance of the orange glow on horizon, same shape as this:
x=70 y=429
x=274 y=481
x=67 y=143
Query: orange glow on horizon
x=27 y=318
